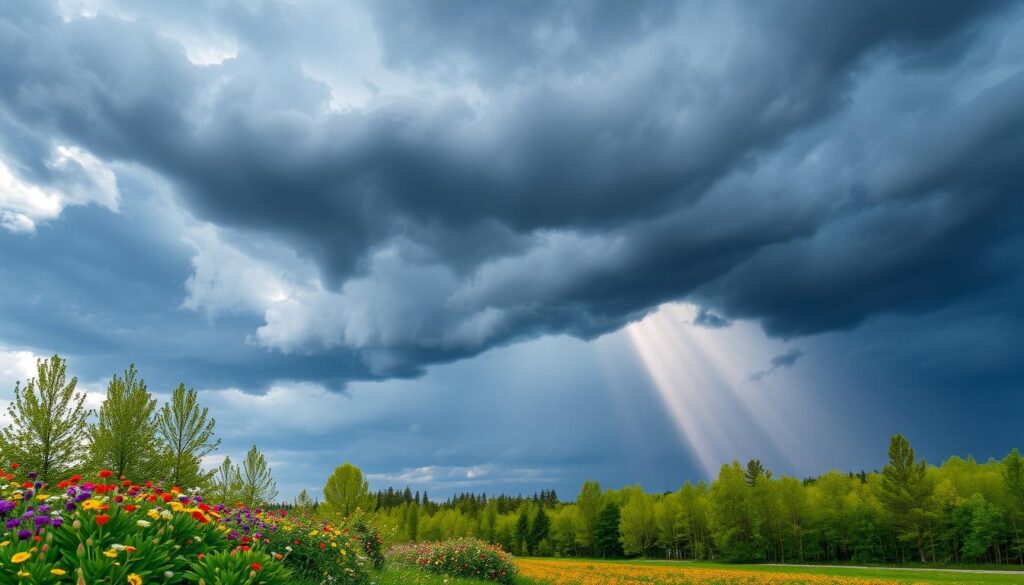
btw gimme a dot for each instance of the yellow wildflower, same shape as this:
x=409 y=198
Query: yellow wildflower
x=20 y=557
x=134 y=579
x=58 y=572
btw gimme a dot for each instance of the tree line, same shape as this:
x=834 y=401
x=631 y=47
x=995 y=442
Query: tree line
x=52 y=433
x=962 y=511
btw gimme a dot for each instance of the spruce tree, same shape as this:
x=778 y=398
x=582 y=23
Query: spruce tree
x=48 y=423
x=539 y=529
x=904 y=492
x=606 y=533
x=186 y=431
x=523 y=531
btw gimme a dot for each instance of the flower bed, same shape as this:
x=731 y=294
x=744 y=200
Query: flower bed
x=462 y=557
x=108 y=531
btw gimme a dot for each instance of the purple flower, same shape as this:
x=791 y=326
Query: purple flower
x=42 y=521
x=13 y=523
x=6 y=506
x=70 y=507
x=32 y=475
x=24 y=535
x=57 y=522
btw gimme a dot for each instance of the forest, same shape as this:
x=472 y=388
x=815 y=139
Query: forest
x=961 y=511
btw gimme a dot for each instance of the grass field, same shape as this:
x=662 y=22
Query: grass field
x=574 y=572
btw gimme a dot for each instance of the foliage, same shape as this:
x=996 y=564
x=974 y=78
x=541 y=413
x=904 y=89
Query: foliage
x=124 y=438
x=317 y=550
x=462 y=557
x=48 y=422
x=108 y=531
x=346 y=491
x=256 y=485
x=607 y=540
x=186 y=431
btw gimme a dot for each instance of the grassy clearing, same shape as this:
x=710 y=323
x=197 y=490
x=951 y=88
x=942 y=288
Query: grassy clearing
x=901 y=576
x=395 y=575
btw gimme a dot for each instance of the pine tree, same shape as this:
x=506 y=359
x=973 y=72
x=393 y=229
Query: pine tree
x=523 y=531
x=539 y=529
x=186 y=431
x=346 y=491
x=606 y=533
x=303 y=502
x=124 y=438
x=904 y=491
x=257 y=483
x=48 y=423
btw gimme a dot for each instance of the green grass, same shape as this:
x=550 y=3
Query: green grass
x=900 y=575
x=395 y=575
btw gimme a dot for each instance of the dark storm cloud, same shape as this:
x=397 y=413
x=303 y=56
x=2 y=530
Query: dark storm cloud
x=710 y=319
x=613 y=158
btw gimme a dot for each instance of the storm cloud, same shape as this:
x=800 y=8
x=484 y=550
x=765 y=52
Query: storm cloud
x=391 y=185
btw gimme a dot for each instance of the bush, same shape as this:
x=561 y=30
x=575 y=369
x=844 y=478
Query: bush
x=461 y=557
x=119 y=532
x=318 y=551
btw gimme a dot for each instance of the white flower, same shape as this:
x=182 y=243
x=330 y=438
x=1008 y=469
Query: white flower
x=142 y=523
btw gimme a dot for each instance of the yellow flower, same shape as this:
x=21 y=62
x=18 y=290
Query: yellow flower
x=23 y=573
x=91 y=504
x=111 y=554
x=134 y=579
x=5 y=543
x=58 y=572
x=153 y=514
x=20 y=557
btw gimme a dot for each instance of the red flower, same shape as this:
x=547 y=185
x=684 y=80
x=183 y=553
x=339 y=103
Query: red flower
x=166 y=497
x=199 y=516
x=27 y=485
x=323 y=545
x=75 y=478
x=244 y=547
x=130 y=508
x=106 y=473
x=200 y=556
x=14 y=466
x=102 y=519
x=256 y=566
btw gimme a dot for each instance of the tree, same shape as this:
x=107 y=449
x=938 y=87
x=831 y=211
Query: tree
x=186 y=431
x=904 y=491
x=638 y=527
x=303 y=502
x=346 y=490
x=606 y=533
x=124 y=438
x=589 y=501
x=48 y=422
x=257 y=485
x=1013 y=479
x=736 y=525
x=755 y=472
x=227 y=482
x=523 y=531
x=539 y=529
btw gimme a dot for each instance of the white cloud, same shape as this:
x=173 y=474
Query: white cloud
x=78 y=178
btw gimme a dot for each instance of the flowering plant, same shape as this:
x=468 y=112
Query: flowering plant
x=460 y=557
x=116 y=531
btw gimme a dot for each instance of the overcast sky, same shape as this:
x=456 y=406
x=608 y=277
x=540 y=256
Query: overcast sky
x=507 y=246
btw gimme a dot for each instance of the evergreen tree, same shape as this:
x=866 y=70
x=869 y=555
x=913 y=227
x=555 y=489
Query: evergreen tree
x=754 y=472
x=539 y=530
x=904 y=492
x=124 y=440
x=186 y=431
x=48 y=426
x=606 y=533
x=346 y=490
x=523 y=531
x=257 y=486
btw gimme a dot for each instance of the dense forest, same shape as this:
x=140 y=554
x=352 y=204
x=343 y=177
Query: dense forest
x=960 y=512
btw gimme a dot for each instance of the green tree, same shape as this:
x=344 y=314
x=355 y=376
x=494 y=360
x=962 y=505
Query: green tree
x=412 y=522
x=589 y=501
x=346 y=490
x=539 y=529
x=124 y=438
x=257 y=487
x=523 y=531
x=227 y=482
x=304 y=502
x=755 y=472
x=904 y=491
x=1013 y=479
x=638 y=527
x=48 y=422
x=736 y=524
x=606 y=533
x=186 y=431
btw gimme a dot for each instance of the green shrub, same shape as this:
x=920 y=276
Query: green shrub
x=461 y=557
